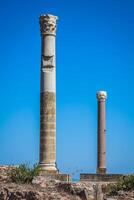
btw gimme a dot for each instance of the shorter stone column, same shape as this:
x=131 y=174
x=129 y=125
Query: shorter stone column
x=101 y=160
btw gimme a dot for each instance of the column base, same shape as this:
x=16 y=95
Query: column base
x=100 y=177
x=101 y=171
x=50 y=172
x=48 y=167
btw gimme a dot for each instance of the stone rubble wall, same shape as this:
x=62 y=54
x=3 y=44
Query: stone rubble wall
x=44 y=188
x=4 y=171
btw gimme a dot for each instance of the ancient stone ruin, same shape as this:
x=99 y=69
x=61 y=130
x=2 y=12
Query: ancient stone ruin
x=47 y=158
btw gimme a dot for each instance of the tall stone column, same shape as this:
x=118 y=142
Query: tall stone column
x=101 y=161
x=48 y=94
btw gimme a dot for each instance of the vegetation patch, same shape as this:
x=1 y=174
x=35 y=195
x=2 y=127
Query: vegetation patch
x=24 y=173
x=125 y=183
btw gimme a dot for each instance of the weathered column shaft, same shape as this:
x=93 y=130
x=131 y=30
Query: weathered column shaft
x=101 y=160
x=48 y=94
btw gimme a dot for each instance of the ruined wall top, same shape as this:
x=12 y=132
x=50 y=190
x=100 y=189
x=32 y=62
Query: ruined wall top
x=48 y=24
x=101 y=95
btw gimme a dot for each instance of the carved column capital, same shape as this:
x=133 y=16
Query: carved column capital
x=101 y=95
x=48 y=24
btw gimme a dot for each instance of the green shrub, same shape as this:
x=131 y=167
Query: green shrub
x=125 y=183
x=23 y=173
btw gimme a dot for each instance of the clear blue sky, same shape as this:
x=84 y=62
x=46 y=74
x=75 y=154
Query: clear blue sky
x=95 y=51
